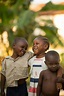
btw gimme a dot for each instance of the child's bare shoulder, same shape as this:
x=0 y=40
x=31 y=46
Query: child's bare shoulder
x=43 y=72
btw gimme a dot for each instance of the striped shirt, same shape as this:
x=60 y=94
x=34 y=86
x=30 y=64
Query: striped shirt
x=37 y=65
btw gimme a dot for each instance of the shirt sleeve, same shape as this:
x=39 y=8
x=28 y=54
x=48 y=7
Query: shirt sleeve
x=3 y=71
x=30 y=55
x=29 y=62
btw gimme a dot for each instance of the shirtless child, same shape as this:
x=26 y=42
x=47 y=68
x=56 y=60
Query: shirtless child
x=48 y=78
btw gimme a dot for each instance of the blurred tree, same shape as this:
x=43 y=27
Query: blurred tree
x=16 y=14
x=51 y=6
x=62 y=59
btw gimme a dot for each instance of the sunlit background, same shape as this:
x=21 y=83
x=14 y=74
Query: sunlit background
x=36 y=5
x=57 y=17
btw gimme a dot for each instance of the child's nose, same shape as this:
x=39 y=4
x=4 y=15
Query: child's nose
x=34 y=45
x=23 y=49
x=54 y=65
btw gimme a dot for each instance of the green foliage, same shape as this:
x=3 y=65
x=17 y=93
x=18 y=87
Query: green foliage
x=62 y=60
x=51 y=33
x=10 y=34
x=6 y=16
x=25 y=18
x=49 y=6
x=16 y=13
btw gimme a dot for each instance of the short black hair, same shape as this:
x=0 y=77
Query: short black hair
x=17 y=39
x=52 y=53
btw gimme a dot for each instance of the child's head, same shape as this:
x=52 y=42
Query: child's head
x=40 y=45
x=52 y=60
x=19 y=46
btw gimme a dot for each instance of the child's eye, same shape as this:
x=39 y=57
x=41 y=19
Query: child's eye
x=49 y=63
x=35 y=43
x=56 y=63
x=23 y=47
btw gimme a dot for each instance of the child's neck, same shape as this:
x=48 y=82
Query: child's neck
x=40 y=55
x=14 y=56
x=53 y=72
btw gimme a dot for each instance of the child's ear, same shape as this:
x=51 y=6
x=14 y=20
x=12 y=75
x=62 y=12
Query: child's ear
x=46 y=46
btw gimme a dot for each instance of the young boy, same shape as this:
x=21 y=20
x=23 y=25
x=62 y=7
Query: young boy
x=48 y=78
x=15 y=70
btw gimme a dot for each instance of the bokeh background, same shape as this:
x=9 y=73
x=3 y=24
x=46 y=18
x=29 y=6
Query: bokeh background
x=28 y=19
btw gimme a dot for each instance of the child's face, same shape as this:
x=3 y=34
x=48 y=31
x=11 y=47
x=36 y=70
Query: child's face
x=20 y=48
x=52 y=63
x=38 y=46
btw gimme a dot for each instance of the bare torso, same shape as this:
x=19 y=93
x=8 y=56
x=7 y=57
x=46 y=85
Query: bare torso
x=49 y=84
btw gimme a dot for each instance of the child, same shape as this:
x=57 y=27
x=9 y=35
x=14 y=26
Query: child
x=15 y=70
x=40 y=46
x=48 y=78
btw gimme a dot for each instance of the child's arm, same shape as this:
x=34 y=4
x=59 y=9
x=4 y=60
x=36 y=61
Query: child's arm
x=30 y=55
x=60 y=72
x=3 y=79
x=63 y=82
x=59 y=75
x=39 y=87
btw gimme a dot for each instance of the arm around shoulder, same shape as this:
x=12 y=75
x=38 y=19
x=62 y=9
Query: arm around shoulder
x=60 y=72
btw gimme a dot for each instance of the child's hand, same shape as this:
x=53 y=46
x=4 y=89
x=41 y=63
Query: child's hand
x=59 y=86
x=3 y=94
x=59 y=81
x=59 y=76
